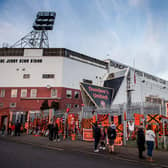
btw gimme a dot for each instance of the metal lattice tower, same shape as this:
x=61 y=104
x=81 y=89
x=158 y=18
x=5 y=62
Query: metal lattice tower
x=38 y=37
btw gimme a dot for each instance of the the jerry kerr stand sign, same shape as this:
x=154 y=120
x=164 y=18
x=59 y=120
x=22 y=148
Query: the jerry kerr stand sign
x=100 y=96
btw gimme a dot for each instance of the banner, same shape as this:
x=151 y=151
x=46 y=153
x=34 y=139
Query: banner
x=103 y=119
x=166 y=109
x=88 y=134
x=138 y=118
x=100 y=96
x=153 y=118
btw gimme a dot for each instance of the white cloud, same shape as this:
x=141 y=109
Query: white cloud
x=112 y=35
x=136 y=3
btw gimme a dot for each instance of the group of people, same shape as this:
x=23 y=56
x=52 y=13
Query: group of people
x=13 y=129
x=53 y=131
x=108 y=136
x=149 y=138
x=104 y=136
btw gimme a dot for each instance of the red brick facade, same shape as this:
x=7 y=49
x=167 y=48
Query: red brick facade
x=27 y=103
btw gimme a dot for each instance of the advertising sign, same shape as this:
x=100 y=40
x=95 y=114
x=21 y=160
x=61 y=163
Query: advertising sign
x=100 y=96
x=88 y=134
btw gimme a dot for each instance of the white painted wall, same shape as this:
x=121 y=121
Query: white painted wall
x=68 y=72
x=140 y=89
x=33 y=52
x=147 y=88
x=75 y=71
x=11 y=74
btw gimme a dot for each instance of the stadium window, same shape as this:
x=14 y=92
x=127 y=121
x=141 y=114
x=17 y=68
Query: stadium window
x=76 y=105
x=76 y=95
x=12 y=105
x=69 y=94
x=48 y=76
x=33 y=93
x=2 y=93
x=68 y=105
x=53 y=92
x=1 y=104
x=14 y=93
x=26 y=76
x=23 y=93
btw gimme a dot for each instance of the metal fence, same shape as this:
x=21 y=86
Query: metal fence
x=119 y=109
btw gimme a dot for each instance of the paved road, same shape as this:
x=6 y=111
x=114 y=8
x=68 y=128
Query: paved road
x=15 y=155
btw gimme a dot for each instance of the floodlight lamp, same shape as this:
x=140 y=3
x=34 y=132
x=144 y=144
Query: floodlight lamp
x=44 y=21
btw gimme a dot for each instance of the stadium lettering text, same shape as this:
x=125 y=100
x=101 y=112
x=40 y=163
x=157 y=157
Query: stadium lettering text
x=21 y=61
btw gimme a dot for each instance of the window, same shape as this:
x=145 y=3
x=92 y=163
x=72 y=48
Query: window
x=26 y=76
x=2 y=94
x=68 y=105
x=53 y=92
x=14 y=93
x=12 y=105
x=76 y=105
x=23 y=93
x=69 y=94
x=48 y=76
x=1 y=104
x=76 y=96
x=33 y=93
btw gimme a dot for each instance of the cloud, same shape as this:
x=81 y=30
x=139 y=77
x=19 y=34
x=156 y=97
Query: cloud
x=123 y=30
x=136 y=3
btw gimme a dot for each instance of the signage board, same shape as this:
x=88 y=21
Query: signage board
x=100 y=96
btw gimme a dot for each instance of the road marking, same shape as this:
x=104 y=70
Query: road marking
x=55 y=148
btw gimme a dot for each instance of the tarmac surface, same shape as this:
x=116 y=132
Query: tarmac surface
x=127 y=153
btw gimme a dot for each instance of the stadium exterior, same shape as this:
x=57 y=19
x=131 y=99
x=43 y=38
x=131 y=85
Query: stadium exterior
x=29 y=76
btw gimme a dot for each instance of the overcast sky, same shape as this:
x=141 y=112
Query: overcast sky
x=122 y=30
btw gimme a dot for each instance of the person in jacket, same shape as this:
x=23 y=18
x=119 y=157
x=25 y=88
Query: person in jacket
x=55 y=132
x=96 y=135
x=13 y=129
x=17 y=128
x=9 y=128
x=102 y=138
x=111 y=136
x=150 y=140
x=3 y=129
x=141 y=141
x=50 y=128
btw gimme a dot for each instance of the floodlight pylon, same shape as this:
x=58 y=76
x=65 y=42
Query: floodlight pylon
x=38 y=37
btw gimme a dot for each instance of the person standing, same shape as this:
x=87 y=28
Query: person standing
x=50 y=127
x=111 y=136
x=150 y=139
x=102 y=138
x=13 y=129
x=141 y=141
x=3 y=129
x=55 y=132
x=96 y=135
x=9 y=128
x=17 y=128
